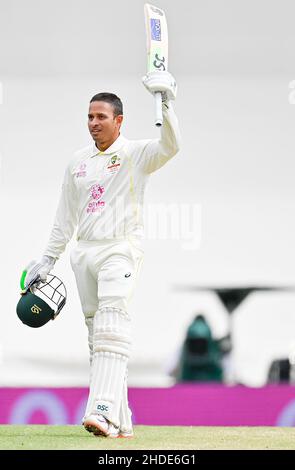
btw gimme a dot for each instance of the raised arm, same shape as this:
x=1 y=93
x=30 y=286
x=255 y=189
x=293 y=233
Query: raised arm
x=158 y=151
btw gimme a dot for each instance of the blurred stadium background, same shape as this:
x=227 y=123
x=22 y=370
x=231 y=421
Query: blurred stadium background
x=234 y=64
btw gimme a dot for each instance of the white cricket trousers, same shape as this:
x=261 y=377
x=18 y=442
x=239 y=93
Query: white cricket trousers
x=106 y=272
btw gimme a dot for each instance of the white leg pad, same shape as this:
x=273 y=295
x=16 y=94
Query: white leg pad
x=89 y=324
x=125 y=412
x=111 y=348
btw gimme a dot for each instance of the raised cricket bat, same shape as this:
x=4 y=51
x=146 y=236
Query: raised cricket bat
x=157 y=48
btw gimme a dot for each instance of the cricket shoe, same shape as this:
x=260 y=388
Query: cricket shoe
x=125 y=434
x=100 y=426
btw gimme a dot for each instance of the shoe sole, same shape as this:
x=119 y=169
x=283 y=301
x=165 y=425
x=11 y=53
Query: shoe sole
x=98 y=432
x=93 y=427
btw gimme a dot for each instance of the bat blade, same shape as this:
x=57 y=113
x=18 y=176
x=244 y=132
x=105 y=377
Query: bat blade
x=157 y=48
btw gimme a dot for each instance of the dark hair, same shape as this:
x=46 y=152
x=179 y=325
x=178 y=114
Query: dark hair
x=114 y=100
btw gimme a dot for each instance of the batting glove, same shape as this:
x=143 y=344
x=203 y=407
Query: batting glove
x=40 y=269
x=163 y=82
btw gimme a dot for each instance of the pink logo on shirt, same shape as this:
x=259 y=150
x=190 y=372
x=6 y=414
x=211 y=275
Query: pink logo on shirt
x=81 y=171
x=96 y=193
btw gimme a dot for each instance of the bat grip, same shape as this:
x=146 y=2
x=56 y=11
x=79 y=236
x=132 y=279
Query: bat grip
x=159 y=115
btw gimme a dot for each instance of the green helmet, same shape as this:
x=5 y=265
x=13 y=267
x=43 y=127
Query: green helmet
x=41 y=301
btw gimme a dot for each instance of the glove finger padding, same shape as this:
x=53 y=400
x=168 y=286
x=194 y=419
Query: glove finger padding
x=32 y=273
x=43 y=273
x=30 y=265
x=39 y=269
x=162 y=82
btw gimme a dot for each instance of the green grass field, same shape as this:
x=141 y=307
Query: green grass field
x=147 y=437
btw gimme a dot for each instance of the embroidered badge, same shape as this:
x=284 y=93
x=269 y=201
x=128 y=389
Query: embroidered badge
x=113 y=164
x=82 y=170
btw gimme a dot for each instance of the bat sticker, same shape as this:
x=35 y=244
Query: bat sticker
x=156 y=29
x=159 y=63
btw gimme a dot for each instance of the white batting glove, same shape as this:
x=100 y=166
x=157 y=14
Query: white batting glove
x=163 y=82
x=41 y=269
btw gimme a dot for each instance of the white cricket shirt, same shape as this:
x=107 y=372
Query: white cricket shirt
x=102 y=192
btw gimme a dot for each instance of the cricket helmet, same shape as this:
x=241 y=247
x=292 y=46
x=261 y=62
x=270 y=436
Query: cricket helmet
x=41 y=301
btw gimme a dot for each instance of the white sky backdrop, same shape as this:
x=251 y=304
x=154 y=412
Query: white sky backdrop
x=234 y=62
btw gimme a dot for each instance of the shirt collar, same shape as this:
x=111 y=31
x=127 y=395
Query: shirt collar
x=119 y=142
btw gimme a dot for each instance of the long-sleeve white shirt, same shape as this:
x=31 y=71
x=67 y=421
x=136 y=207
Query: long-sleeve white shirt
x=103 y=192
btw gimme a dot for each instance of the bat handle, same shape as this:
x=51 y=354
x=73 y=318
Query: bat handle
x=159 y=115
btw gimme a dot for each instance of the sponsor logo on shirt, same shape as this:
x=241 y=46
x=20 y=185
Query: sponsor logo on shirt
x=96 y=193
x=82 y=170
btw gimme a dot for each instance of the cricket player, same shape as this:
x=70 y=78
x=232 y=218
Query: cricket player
x=102 y=195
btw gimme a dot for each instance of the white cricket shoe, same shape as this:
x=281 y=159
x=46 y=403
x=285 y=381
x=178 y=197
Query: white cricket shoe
x=100 y=426
x=126 y=434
